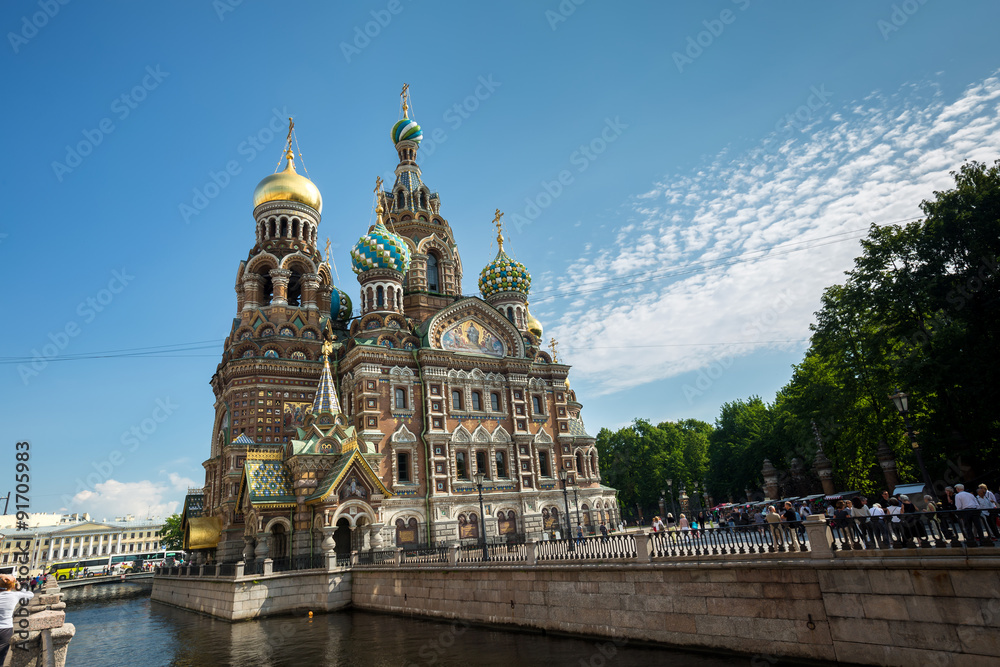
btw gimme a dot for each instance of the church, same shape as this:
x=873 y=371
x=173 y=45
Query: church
x=382 y=425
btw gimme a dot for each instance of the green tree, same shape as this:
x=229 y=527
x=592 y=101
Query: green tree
x=171 y=536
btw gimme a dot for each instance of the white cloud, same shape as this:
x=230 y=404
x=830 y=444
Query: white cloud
x=867 y=161
x=143 y=498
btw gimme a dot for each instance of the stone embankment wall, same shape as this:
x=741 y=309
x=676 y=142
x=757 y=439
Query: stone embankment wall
x=885 y=611
x=257 y=595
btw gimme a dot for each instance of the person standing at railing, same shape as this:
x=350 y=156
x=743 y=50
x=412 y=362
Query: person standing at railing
x=988 y=505
x=879 y=528
x=946 y=522
x=895 y=510
x=773 y=520
x=841 y=522
x=966 y=505
x=861 y=514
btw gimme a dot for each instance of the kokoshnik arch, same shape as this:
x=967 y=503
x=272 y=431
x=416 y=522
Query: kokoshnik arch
x=375 y=425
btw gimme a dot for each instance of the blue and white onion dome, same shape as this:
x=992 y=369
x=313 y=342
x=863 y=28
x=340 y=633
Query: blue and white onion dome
x=340 y=305
x=504 y=274
x=380 y=249
x=406 y=129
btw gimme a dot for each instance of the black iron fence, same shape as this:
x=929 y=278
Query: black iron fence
x=959 y=528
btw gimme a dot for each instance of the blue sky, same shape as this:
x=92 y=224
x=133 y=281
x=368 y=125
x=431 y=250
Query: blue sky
x=682 y=180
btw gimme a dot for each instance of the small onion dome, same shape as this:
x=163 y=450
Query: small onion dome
x=504 y=274
x=288 y=186
x=340 y=305
x=534 y=326
x=380 y=249
x=406 y=130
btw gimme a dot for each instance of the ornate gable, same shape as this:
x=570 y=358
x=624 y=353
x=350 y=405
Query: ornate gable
x=472 y=326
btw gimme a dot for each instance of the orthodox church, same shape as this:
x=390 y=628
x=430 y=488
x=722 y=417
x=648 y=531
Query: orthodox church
x=381 y=425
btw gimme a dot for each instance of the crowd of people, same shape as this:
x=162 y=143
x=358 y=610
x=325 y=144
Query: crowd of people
x=880 y=522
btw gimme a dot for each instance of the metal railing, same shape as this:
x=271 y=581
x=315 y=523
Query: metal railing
x=940 y=530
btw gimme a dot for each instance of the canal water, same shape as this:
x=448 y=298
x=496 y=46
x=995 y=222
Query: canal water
x=117 y=624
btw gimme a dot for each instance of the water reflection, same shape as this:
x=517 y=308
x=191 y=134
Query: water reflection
x=128 y=630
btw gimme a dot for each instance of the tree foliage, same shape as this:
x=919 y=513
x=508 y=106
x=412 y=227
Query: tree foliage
x=171 y=536
x=920 y=312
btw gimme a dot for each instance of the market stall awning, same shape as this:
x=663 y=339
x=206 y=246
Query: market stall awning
x=203 y=532
x=843 y=495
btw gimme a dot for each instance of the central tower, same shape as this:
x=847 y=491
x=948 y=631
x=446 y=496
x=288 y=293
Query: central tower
x=413 y=212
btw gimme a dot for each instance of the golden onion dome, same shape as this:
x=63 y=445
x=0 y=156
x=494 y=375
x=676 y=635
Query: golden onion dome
x=534 y=326
x=288 y=186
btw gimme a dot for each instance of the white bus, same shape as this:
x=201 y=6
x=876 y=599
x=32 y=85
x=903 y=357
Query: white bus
x=121 y=563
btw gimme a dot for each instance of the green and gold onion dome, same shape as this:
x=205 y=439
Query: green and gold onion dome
x=380 y=249
x=406 y=129
x=504 y=274
x=288 y=186
x=340 y=305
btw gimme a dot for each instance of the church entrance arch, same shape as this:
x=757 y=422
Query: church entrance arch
x=342 y=537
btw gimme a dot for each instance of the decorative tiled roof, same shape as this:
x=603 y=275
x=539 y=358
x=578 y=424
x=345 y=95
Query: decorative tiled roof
x=269 y=482
x=243 y=440
x=576 y=427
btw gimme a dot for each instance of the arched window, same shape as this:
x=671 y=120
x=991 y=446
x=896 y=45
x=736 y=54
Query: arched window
x=379 y=297
x=400 y=398
x=399 y=199
x=510 y=314
x=501 y=464
x=495 y=401
x=433 y=283
x=579 y=463
x=477 y=401
x=294 y=288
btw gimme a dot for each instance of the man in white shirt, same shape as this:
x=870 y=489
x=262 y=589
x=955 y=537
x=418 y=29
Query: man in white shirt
x=967 y=506
x=879 y=526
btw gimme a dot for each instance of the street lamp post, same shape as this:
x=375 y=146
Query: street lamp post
x=569 y=531
x=670 y=490
x=576 y=503
x=663 y=504
x=480 y=476
x=902 y=402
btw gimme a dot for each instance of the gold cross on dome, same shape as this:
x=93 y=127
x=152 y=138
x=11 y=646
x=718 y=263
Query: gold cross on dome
x=328 y=250
x=327 y=348
x=405 y=96
x=496 y=221
x=553 y=346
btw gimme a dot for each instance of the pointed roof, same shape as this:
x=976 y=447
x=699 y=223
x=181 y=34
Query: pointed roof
x=326 y=394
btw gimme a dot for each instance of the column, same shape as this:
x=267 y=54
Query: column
x=52 y=547
x=119 y=548
x=62 y=547
x=90 y=545
x=279 y=279
x=310 y=283
x=251 y=292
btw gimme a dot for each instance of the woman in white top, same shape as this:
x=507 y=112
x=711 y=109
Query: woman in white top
x=10 y=599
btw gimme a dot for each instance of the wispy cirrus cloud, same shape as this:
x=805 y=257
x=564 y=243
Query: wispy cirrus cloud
x=741 y=249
